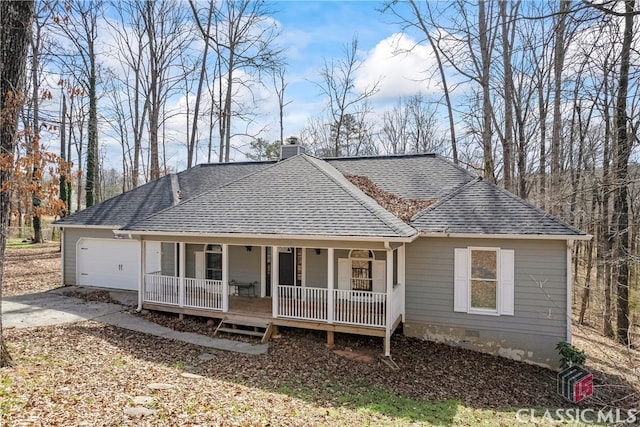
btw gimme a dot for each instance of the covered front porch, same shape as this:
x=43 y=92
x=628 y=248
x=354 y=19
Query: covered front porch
x=353 y=287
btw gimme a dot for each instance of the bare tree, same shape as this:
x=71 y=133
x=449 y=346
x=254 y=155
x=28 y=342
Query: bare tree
x=191 y=148
x=558 y=65
x=244 y=40
x=78 y=22
x=167 y=36
x=280 y=85
x=508 y=26
x=344 y=101
x=425 y=22
x=621 y=202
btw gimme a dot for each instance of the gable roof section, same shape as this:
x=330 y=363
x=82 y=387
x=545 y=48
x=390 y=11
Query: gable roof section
x=481 y=207
x=416 y=176
x=155 y=196
x=298 y=196
x=126 y=207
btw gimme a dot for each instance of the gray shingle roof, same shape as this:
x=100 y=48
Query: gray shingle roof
x=139 y=203
x=418 y=176
x=131 y=206
x=481 y=207
x=308 y=196
x=298 y=196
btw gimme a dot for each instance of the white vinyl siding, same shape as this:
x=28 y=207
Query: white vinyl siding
x=540 y=286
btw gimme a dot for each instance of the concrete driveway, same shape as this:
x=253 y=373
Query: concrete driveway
x=54 y=308
x=51 y=308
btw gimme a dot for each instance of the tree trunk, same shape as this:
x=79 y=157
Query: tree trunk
x=92 y=130
x=508 y=24
x=556 y=143
x=621 y=203
x=15 y=25
x=34 y=147
x=63 y=154
x=485 y=83
x=203 y=70
x=443 y=78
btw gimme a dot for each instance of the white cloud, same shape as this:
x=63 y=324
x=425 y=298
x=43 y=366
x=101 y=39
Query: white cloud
x=401 y=65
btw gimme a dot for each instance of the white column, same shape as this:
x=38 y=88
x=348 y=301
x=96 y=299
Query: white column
x=182 y=268
x=141 y=276
x=62 y=257
x=330 y=286
x=389 y=304
x=263 y=271
x=402 y=278
x=275 y=280
x=225 y=277
x=304 y=267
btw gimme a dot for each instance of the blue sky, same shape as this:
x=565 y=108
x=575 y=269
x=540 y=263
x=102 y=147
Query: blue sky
x=313 y=31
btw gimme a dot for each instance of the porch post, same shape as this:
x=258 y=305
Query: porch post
x=225 y=277
x=141 y=278
x=402 y=278
x=275 y=280
x=263 y=271
x=388 y=305
x=330 y=286
x=181 y=248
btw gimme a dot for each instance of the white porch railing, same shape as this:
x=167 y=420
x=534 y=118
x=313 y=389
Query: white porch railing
x=360 y=308
x=198 y=293
x=161 y=289
x=296 y=302
x=397 y=295
x=203 y=293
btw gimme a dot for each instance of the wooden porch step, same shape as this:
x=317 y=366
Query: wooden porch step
x=249 y=327
x=240 y=331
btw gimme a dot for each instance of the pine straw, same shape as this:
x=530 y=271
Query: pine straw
x=404 y=209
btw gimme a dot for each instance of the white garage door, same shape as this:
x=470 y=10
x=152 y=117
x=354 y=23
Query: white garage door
x=108 y=263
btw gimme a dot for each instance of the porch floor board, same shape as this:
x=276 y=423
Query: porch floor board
x=255 y=309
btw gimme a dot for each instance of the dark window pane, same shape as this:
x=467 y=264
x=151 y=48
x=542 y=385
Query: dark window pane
x=483 y=294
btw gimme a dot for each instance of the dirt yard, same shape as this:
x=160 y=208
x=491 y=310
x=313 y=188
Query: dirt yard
x=91 y=374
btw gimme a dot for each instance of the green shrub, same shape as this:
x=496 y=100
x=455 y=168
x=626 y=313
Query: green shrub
x=570 y=355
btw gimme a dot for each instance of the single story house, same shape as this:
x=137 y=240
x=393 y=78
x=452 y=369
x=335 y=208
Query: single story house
x=358 y=245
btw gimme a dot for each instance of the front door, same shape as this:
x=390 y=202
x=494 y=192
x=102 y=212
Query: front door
x=290 y=266
x=286 y=272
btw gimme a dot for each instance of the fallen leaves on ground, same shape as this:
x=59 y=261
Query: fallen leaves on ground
x=89 y=374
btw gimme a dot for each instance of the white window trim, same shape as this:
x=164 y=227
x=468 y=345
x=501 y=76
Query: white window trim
x=505 y=263
x=477 y=310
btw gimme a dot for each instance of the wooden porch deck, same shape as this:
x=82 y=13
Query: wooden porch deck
x=260 y=309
